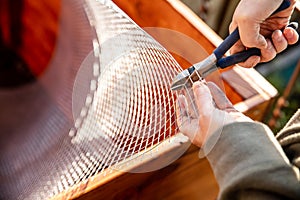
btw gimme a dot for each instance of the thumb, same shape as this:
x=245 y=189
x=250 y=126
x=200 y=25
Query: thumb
x=203 y=98
x=250 y=36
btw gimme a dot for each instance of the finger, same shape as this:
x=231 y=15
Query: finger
x=279 y=41
x=251 y=62
x=181 y=110
x=291 y=35
x=187 y=125
x=222 y=102
x=203 y=98
x=237 y=47
x=268 y=53
x=190 y=100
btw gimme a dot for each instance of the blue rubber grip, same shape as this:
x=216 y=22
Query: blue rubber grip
x=237 y=58
x=235 y=35
x=244 y=55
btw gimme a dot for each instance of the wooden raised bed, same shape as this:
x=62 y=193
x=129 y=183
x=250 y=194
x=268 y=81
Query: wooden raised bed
x=189 y=177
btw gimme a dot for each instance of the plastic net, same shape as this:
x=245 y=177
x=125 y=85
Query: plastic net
x=104 y=98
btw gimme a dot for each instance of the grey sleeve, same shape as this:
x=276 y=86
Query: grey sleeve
x=289 y=139
x=249 y=163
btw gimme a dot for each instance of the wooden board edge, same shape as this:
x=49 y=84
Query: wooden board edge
x=177 y=144
x=249 y=103
x=196 y=22
x=257 y=82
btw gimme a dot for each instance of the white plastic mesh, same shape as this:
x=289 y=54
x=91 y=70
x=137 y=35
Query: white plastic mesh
x=118 y=79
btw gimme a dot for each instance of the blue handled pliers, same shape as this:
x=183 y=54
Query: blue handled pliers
x=216 y=59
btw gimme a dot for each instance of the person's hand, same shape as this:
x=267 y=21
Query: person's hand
x=258 y=29
x=214 y=111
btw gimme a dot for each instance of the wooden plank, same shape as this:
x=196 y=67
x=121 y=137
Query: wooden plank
x=258 y=93
x=186 y=178
x=179 y=180
x=248 y=83
x=172 y=15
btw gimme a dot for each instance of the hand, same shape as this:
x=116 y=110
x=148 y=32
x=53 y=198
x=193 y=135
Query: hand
x=214 y=111
x=258 y=29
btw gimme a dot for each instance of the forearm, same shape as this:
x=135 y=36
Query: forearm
x=249 y=163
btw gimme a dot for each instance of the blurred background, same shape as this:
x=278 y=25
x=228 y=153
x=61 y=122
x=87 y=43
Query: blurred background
x=282 y=72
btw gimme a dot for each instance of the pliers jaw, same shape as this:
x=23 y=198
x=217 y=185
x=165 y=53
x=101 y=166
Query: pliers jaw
x=180 y=80
x=196 y=72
